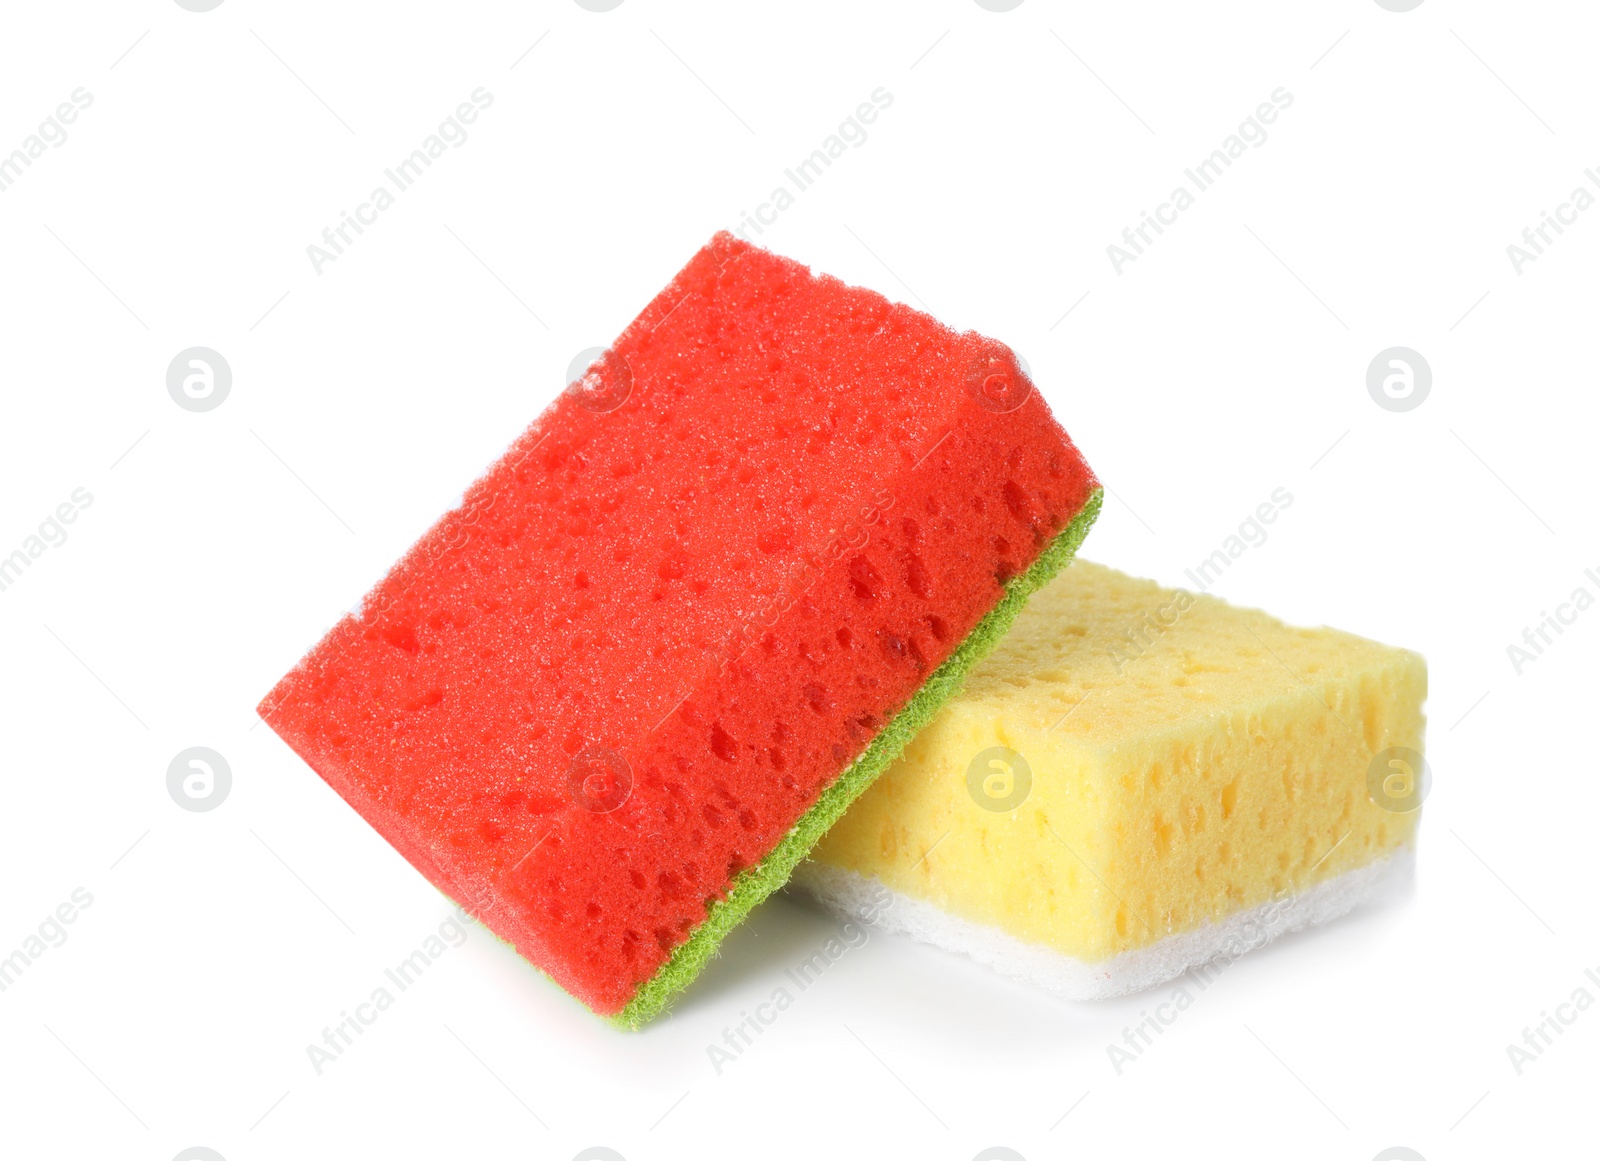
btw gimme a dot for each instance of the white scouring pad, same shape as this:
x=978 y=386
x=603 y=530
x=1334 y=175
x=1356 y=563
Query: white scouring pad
x=856 y=897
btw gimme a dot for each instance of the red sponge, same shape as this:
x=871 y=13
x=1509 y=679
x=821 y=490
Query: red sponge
x=603 y=699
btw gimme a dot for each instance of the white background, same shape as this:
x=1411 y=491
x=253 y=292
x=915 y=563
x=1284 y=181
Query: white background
x=1227 y=361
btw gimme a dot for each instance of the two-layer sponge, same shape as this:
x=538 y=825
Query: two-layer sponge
x=612 y=699
x=1137 y=781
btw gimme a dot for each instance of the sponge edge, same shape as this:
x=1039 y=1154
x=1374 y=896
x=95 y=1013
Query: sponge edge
x=755 y=884
x=1202 y=951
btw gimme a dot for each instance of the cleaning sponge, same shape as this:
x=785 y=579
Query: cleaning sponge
x=611 y=700
x=1136 y=781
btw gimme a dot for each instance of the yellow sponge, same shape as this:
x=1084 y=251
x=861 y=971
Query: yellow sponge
x=1138 y=780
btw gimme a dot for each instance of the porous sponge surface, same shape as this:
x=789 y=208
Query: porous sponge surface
x=754 y=885
x=1188 y=760
x=680 y=607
